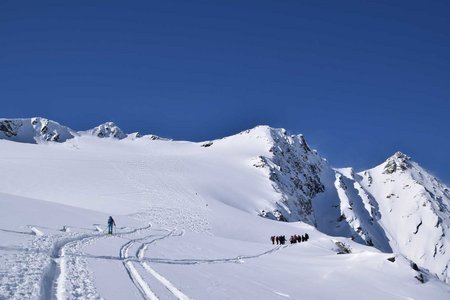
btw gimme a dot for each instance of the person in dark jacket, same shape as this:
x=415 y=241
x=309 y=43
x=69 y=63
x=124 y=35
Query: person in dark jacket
x=111 y=223
x=272 y=238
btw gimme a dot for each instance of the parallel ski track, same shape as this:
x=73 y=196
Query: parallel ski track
x=53 y=279
x=140 y=254
x=135 y=277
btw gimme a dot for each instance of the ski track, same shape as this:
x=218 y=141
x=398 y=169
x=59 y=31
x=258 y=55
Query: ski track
x=140 y=254
x=65 y=258
x=54 y=278
x=237 y=259
x=135 y=277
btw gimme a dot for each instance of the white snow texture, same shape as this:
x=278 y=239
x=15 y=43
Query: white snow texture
x=194 y=220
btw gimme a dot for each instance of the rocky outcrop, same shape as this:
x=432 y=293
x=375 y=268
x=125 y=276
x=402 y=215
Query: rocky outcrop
x=34 y=130
x=108 y=130
x=397 y=162
x=295 y=173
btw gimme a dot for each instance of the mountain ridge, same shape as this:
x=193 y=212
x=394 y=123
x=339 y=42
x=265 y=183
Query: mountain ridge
x=396 y=206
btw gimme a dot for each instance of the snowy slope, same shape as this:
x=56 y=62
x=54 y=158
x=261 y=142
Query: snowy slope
x=414 y=210
x=189 y=222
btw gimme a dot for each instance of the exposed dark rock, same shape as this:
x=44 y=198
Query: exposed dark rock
x=398 y=162
x=9 y=127
x=342 y=248
x=207 y=144
x=295 y=172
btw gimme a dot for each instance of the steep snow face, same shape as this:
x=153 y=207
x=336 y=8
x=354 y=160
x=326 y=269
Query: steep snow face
x=414 y=211
x=360 y=211
x=34 y=130
x=108 y=129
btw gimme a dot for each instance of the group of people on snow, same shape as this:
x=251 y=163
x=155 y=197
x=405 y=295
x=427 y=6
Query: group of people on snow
x=281 y=239
x=299 y=238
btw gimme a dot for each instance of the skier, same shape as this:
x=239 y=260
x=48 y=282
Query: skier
x=273 y=239
x=110 y=225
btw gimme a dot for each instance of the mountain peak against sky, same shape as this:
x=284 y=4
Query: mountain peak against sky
x=38 y=129
x=34 y=130
x=108 y=129
x=266 y=130
x=397 y=162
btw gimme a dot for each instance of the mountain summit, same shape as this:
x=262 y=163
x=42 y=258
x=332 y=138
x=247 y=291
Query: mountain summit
x=108 y=129
x=397 y=162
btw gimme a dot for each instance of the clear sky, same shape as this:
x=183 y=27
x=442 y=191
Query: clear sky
x=361 y=79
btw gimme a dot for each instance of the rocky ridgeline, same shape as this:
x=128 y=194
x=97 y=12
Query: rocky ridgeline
x=38 y=130
x=34 y=130
x=295 y=173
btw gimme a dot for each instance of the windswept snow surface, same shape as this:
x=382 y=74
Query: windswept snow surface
x=188 y=224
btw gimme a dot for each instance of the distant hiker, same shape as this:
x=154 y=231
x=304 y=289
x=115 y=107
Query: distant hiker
x=277 y=238
x=306 y=236
x=273 y=239
x=110 y=225
x=303 y=238
x=293 y=239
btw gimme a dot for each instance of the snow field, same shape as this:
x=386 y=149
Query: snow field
x=205 y=239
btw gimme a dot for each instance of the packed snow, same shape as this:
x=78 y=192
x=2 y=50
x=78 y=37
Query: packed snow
x=194 y=221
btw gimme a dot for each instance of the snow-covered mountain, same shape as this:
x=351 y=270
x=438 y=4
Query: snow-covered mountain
x=108 y=129
x=38 y=130
x=215 y=199
x=34 y=130
x=413 y=208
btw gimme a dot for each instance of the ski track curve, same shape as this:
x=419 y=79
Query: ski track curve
x=140 y=254
x=134 y=275
x=53 y=280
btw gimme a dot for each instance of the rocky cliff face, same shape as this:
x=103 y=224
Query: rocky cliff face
x=295 y=172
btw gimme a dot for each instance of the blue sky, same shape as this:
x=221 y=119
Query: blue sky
x=361 y=79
